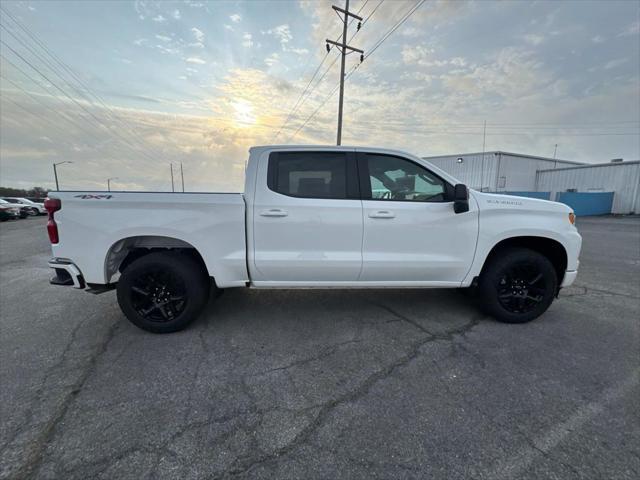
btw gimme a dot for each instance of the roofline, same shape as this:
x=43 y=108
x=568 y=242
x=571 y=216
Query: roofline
x=592 y=165
x=495 y=152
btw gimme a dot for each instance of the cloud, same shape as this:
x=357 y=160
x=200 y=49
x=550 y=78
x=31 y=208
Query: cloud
x=417 y=54
x=228 y=27
x=598 y=39
x=298 y=51
x=196 y=60
x=159 y=19
x=140 y=41
x=198 y=34
x=164 y=38
x=633 y=29
x=282 y=33
x=615 y=63
x=176 y=14
x=247 y=40
x=235 y=18
x=272 y=59
x=533 y=39
x=411 y=32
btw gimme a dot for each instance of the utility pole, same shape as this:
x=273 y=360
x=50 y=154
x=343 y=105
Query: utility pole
x=109 y=183
x=171 y=167
x=182 y=177
x=343 y=47
x=484 y=143
x=555 y=150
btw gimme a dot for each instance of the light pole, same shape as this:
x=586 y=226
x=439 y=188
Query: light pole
x=55 y=172
x=109 y=183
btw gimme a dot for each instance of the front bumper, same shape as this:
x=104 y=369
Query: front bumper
x=570 y=276
x=67 y=274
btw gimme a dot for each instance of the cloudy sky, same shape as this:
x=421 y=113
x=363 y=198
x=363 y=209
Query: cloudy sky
x=122 y=89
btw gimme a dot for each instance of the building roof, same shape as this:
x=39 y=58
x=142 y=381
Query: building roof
x=511 y=154
x=592 y=165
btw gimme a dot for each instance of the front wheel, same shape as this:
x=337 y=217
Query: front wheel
x=163 y=292
x=517 y=286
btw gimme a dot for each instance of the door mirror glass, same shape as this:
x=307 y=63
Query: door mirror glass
x=460 y=198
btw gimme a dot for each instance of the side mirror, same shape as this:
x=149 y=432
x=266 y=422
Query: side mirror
x=460 y=198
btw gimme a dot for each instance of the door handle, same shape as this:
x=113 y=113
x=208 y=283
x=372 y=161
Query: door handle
x=382 y=214
x=273 y=212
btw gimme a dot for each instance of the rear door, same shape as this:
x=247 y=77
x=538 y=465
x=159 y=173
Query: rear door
x=307 y=219
x=411 y=233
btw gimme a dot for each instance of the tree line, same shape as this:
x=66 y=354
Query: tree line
x=35 y=192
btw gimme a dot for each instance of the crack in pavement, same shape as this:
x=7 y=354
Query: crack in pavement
x=325 y=352
x=402 y=317
x=35 y=451
x=587 y=290
x=349 y=397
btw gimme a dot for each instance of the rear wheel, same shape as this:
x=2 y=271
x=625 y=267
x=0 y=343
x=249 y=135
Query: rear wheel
x=163 y=292
x=517 y=286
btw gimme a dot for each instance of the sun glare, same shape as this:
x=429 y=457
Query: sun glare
x=244 y=115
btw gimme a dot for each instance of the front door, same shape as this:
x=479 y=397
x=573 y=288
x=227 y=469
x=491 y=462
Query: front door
x=411 y=233
x=308 y=219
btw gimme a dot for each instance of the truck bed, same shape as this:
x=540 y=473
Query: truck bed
x=93 y=225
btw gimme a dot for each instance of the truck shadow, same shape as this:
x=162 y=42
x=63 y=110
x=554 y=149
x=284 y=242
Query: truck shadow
x=306 y=311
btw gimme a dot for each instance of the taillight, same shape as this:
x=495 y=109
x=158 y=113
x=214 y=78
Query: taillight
x=52 y=205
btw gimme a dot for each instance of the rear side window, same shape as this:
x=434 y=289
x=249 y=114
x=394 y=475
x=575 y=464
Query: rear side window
x=309 y=174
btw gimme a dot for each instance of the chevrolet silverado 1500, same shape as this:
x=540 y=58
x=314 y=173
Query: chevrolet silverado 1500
x=314 y=217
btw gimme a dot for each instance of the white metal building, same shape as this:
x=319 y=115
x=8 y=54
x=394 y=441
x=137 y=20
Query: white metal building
x=623 y=178
x=497 y=171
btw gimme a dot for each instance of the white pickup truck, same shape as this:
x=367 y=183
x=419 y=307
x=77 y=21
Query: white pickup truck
x=314 y=217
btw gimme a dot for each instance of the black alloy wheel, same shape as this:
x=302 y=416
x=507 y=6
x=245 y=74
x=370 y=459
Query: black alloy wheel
x=517 y=285
x=521 y=288
x=164 y=291
x=158 y=296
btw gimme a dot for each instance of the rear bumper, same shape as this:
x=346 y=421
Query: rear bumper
x=66 y=273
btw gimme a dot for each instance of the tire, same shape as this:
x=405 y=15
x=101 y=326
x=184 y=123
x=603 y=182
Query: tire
x=163 y=292
x=517 y=286
x=34 y=212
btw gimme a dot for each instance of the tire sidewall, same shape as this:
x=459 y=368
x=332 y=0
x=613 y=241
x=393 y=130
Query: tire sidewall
x=196 y=284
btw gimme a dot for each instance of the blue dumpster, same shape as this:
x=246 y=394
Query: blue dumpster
x=587 y=203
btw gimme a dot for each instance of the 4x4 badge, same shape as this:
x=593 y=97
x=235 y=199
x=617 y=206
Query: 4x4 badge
x=97 y=197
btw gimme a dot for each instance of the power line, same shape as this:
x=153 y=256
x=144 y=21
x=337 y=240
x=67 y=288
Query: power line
x=62 y=114
x=393 y=29
x=52 y=126
x=376 y=45
x=112 y=115
x=98 y=121
x=301 y=99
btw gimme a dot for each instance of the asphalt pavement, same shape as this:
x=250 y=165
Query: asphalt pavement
x=323 y=384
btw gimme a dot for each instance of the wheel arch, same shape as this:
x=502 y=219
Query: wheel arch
x=126 y=250
x=548 y=247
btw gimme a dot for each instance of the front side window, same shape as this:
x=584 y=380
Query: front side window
x=309 y=174
x=394 y=178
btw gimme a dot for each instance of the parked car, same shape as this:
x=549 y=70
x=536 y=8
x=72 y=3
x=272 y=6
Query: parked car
x=8 y=211
x=34 y=207
x=314 y=217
